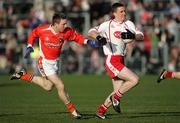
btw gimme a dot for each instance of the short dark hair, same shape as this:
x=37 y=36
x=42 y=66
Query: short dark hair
x=57 y=17
x=115 y=6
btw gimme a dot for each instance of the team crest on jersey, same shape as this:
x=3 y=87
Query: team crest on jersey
x=117 y=34
x=60 y=39
x=46 y=39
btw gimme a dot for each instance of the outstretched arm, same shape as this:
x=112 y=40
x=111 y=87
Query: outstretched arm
x=99 y=39
x=93 y=34
x=96 y=41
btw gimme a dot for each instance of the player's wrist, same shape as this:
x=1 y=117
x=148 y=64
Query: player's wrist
x=93 y=43
x=86 y=41
x=29 y=49
x=99 y=37
x=29 y=45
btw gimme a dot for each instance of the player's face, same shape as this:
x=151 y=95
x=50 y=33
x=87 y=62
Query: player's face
x=62 y=25
x=120 y=14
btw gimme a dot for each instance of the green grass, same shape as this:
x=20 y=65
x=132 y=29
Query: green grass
x=149 y=102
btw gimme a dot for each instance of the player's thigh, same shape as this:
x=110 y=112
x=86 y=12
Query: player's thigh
x=127 y=75
x=41 y=80
x=177 y=75
x=56 y=80
x=47 y=81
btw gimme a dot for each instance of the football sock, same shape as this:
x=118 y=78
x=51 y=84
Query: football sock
x=102 y=109
x=71 y=107
x=27 y=77
x=118 y=95
x=168 y=74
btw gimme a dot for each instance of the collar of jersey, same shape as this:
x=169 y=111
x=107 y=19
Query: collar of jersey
x=117 y=21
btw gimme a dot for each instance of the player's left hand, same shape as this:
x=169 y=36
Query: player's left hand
x=28 y=52
x=93 y=43
x=127 y=35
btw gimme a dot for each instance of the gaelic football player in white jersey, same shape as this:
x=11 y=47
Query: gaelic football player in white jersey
x=118 y=32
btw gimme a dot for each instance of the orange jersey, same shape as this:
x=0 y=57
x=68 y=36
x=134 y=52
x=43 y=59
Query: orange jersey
x=50 y=43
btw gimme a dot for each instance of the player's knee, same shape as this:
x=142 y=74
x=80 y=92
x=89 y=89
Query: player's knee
x=48 y=87
x=135 y=80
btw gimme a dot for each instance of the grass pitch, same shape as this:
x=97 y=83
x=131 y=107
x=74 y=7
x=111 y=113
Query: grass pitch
x=149 y=102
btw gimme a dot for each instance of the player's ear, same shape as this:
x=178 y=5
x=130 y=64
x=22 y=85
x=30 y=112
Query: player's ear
x=56 y=25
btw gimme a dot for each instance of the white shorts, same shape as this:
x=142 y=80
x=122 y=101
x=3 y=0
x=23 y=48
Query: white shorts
x=47 y=67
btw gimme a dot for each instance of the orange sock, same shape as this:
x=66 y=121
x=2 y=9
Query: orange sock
x=27 y=77
x=71 y=107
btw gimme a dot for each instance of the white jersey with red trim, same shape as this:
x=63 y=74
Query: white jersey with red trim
x=111 y=30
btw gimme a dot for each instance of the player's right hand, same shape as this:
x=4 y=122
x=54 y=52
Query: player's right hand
x=102 y=40
x=127 y=35
x=28 y=52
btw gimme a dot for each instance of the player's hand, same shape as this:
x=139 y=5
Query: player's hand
x=28 y=52
x=102 y=40
x=93 y=43
x=127 y=35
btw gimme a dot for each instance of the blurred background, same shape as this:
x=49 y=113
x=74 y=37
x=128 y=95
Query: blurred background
x=158 y=19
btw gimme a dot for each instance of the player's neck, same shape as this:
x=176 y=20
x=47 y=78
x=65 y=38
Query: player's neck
x=119 y=20
x=54 y=30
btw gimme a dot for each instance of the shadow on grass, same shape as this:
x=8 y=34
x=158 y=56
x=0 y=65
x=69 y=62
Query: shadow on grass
x=91 y=115
x=131 y=115
x=85 y=115
x=144 y=114
x=15 y=84
x=21 y=114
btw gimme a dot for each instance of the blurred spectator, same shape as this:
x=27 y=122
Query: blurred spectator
x=79 y=51
x=175 y=12
x=170 y=24
x=69 y=59
x=160 y=18
x=58 y=7
x=11 y=46
x=96 y=62
x=174 y=54
x=147 y=47
x=146 y=15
